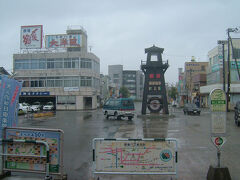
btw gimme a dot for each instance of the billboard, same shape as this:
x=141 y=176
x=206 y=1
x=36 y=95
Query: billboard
x=63 y=40
x=31 y=37
x=9 y=93
x=135 y=156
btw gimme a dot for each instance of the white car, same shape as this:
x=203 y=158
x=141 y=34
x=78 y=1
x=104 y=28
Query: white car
x=36 y=106
x=24 y=107
x=48 y=106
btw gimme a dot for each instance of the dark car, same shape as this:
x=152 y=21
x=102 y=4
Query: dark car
x=237 y=113
x=191 y=109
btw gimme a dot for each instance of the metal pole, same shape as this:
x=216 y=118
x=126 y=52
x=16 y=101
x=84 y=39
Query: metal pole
x=228 y=88
x=223 y=54
x=218 y=157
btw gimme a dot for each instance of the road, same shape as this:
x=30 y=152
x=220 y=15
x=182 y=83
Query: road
x=195 y=150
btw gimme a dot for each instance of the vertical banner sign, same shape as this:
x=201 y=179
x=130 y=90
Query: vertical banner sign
x=9 y=95
x=218 y=117
x=31 y=37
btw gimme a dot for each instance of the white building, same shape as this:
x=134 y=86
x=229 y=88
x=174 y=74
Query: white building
x=215 y=72
x=69 y=77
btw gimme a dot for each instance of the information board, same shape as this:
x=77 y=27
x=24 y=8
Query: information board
x=218 y=117
x=34 y=163
x=131 y=156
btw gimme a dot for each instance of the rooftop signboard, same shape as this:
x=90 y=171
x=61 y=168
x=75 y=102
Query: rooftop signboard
x=31 y=37
x=63 y=40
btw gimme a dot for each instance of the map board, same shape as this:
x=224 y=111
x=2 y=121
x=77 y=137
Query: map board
x=135 y=156
x=22 y=162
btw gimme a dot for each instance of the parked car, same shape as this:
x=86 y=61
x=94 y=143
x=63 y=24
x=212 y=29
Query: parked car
x=24 y=107
x=191 y=108
x=48 y=106
x=36 y=106
x=237 y=113
x=121 y=107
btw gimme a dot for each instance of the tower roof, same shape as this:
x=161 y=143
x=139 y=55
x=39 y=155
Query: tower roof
x=154 y=49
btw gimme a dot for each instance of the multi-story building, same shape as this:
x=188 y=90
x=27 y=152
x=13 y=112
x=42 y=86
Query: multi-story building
x=182 y=92
x=115 y=73
x=133 y=80
x=69 y=77
x=191 y=69
x=215 y=76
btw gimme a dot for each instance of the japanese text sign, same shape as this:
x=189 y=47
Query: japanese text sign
x=10 y=90
x=63 y=40
x=31 y=37
x=135 y=156
x=218 y=115
x=218 y=100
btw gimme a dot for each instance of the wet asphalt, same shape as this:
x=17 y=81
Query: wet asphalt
x=195 y=150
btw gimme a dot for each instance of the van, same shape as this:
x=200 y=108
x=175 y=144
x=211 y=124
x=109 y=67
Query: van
x=121 y=107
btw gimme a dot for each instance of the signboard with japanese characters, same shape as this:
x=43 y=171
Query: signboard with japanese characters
x=218 y=117
x=44 y=93
x=31 y=37
x=135 y=156
x=9 y=93
x=63 y=40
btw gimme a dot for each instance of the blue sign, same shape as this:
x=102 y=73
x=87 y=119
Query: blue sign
x=9 y=95
x=45 y=93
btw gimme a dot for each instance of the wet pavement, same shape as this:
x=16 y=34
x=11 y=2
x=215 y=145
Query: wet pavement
x=195 y=150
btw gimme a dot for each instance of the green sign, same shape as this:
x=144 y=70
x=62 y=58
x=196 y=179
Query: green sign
x=218 y=100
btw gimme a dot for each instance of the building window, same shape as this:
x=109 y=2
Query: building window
x=66 y=100
x=116 y=81
x=202 y=68
x=86 y=81
x=67 y=63
x=75 y=63
x=115 y=75
x=86 y=63
x=58 y=63
x=58 y=82
x=50 y=63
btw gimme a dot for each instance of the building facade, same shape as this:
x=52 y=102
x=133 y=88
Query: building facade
x=69 y=77
x=192 y=69
x=115 y=72
x=133 y=81
x=217 y=74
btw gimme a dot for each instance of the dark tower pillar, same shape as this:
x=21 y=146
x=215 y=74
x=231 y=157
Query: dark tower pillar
x=154 y=93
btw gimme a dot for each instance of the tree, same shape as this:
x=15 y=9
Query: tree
x=124 y=92
x=172 y=93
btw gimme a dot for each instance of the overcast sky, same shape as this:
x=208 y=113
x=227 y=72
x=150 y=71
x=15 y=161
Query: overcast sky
x=120 y=30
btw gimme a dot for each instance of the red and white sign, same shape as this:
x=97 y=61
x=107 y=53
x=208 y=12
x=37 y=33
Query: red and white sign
x=31 y=37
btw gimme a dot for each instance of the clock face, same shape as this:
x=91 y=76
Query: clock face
x=155 y=104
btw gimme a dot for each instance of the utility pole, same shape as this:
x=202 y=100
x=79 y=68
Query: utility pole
x=229 y=75
x=223 y=61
